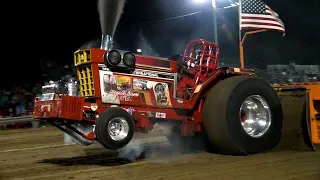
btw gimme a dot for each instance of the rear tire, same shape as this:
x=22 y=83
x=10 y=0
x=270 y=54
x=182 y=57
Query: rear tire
x=221 y=116
x=111 y=119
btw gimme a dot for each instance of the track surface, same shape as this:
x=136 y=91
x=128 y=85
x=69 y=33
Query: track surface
x=40 y=154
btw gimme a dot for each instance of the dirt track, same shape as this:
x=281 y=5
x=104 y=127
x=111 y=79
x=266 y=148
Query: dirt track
x=40 y=154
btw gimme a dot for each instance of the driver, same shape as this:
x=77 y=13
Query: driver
x=193 y=64
x=187 y=81
x=196 y=62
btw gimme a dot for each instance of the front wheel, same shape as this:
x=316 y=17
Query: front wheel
x=243 y=115
x=114 y=128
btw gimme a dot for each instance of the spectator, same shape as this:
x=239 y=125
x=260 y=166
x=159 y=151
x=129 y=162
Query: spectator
x=18 y=100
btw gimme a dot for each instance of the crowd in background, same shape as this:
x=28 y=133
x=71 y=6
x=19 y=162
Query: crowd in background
x=18 y=100
x=290 y=73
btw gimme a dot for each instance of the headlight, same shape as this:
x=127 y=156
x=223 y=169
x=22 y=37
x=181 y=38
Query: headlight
x=129 y=59
x=113 y=57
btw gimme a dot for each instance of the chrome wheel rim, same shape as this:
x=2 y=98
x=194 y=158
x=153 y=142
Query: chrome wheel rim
x=118 y=128
x=255 y=116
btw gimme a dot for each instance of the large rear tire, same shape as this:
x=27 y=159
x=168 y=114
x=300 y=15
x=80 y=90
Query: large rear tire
x=233 y=110
x=114 y=128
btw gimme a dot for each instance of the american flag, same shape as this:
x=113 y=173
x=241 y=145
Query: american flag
x=255 y=14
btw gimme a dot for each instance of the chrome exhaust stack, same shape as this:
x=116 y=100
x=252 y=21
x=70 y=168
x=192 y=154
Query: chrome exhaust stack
x=106 y=42
x=109 y=12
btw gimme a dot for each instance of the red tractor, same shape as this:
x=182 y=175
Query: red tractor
x=238 y=112
x=234 y=111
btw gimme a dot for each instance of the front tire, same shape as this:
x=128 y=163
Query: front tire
x=231 y=110
x=114 y=128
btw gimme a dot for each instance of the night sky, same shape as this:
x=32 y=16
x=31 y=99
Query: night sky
x=53 y=30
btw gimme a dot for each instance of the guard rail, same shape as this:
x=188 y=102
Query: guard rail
x=9 y=120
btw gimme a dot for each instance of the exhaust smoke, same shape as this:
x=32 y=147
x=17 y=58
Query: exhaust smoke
x=157 y=148
x=156 y=151
x=146 y=46
x=153 y=147
x=109 y=13
x=135 y=150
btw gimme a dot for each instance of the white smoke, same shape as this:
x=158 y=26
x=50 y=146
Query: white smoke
x=149 y=147
x=133 y=151
x=145 y=46
x=155 y=147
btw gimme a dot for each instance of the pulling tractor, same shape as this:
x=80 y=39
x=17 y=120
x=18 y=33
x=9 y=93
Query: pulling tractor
x=118 y=93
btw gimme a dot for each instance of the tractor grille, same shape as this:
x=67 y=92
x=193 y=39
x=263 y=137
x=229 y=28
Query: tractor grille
x=71 y=108
x=85 y=77
x=82 y=57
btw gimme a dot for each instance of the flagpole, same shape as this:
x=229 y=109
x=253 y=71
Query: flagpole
x=240 y=38
x=215 y=24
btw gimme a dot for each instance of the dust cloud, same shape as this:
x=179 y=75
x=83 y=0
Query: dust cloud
x=158 y=148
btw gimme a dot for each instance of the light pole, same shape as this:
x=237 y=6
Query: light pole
x=215 y=24
x=215 y=12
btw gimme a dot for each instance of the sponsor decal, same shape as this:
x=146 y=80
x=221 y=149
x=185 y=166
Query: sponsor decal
x=160 y=115
x=143 y=73
x=124 y=95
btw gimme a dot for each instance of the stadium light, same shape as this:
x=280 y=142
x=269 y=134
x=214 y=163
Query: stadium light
x=199 y=1
x=139 y=50
x=214 y=7
x=215 y=12
x=213 y=2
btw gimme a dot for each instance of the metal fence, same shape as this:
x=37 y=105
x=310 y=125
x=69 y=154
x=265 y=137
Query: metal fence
x=9 y=120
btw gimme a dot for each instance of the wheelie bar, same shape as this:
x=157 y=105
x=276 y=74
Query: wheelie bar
x=73 y=132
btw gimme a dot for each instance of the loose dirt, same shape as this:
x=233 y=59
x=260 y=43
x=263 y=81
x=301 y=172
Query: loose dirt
x=40 y=154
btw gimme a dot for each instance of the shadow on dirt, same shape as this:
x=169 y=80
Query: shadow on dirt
x=102 y=158
x=131 y=153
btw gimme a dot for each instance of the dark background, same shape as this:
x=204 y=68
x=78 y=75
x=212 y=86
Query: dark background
x=53 y=30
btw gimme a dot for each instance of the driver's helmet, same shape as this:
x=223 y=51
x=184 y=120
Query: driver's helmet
x=195 y=62
x=198 y=53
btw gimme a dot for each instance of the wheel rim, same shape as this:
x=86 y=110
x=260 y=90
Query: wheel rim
x=118 y=128
x=255 y=116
